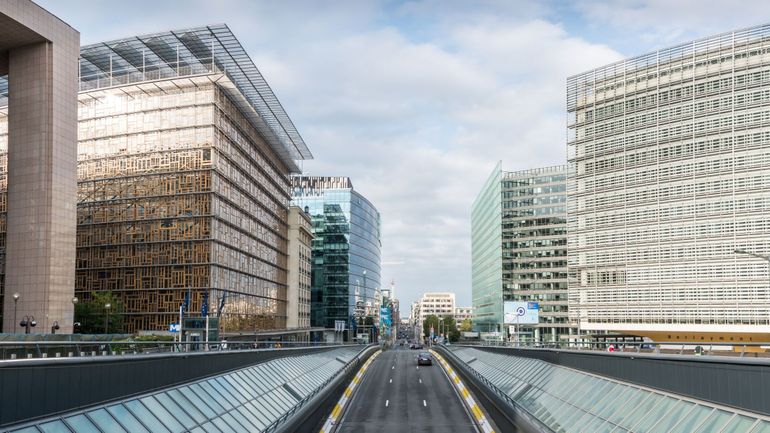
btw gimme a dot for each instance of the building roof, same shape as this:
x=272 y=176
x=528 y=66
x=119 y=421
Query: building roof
x=195 y=51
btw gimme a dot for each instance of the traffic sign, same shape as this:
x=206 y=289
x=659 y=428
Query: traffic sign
x=173 y=327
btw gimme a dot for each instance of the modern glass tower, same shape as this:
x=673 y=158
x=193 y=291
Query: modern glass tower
x=669 y=175
x=519 y=250
x=345 y=253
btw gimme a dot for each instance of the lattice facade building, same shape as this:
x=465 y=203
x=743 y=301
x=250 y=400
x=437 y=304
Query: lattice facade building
x=184 y=159
x=668 y=177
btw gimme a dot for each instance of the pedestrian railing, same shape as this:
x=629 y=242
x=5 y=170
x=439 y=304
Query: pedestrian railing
x=10 y=350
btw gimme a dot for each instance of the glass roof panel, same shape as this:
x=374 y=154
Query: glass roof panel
x=716 y=422
x=57 y=426
x=692 y=420
x=105 y=421
x=739 y=424
x=80 y=424
x=126 y=418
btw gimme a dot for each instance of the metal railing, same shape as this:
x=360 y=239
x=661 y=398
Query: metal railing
x=10 y=350
x=285 y=416
x=697 y=348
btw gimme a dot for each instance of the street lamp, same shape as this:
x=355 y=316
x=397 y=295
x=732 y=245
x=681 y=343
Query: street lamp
x=759 y=256
x=28 y=322
x=75 y=301
x=107 y=307
x=15 y=301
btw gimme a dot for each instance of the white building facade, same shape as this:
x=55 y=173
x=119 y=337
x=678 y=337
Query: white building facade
x=669 y=175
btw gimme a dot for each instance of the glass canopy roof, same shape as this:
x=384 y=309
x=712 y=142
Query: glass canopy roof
x=196 y=51
x=568 y=401
x=246 y=400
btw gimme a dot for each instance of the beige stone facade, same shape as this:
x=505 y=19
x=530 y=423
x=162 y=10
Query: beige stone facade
x=298 y=297
x=39 y=53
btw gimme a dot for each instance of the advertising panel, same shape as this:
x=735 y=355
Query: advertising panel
x=520 y=313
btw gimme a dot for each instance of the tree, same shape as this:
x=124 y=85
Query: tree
x=430 y=320
x=466 y=325
x=450 y=328
x=91 y=314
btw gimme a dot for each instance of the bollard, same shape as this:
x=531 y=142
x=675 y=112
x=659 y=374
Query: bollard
x=58 y=355
x=13 y=356
x=29 y=355
x=93 y=353
x=69 y=354
x=45 y=355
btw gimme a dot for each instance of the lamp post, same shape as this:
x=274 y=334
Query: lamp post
x=75 y=301
x=107 y=307
x=28 y=322
x=15 y=302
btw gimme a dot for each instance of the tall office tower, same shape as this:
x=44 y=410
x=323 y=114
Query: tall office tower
x=669 y=175
x=346 y=254
x=184 y=162
x=300 y=265
x=519 y=251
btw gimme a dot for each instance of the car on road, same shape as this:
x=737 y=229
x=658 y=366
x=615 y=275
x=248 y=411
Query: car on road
x=424 y=358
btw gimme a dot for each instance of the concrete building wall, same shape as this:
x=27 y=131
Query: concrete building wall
x=40 y=53
x=299 y=269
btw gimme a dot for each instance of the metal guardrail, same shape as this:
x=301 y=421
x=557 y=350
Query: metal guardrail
x=286 y=416
x=737 y=349
x=69 y=349
x=521 y=411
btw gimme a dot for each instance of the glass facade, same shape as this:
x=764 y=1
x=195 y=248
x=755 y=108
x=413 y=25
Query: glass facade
x=566 y=400
x=519 y=251
x=669 y=155
x=487 y=257
x=184 y=156
x=534 y=225
x=345 y=253
x=252 y=399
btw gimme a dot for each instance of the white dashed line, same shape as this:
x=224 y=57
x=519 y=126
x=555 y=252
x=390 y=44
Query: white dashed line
x=424 y=403
x=393 y=368
x=391 y=381
x=386 y=403
x=420 y=380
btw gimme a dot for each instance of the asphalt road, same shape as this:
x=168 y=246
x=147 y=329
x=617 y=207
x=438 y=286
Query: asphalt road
x=397 y=396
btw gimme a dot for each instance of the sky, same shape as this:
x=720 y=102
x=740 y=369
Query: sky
x=416 y=101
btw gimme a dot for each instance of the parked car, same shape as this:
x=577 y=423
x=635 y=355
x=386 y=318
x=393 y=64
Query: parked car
x=424 y=358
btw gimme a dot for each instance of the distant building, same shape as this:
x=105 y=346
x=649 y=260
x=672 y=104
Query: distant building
x=669 y=176
x=519 y=251
x=462 y=313
x=441 y=304
x=299 y=269
x=346 y=254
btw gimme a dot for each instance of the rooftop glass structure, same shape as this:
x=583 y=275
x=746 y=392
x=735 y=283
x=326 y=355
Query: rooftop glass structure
x=250 y=399
x=567 y=400
x=196 y=51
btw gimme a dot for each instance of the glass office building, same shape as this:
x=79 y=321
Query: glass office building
x=669 y=175
x=184 y=156
x=519 y=250
x=345 y=253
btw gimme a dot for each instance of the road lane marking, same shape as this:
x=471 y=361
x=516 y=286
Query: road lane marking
x=420 y=380
x=346 y=395
x=386 y=403
x=424 y=403
x=470 y=403
x=391 y=381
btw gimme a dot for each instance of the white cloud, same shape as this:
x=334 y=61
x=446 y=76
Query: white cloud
x=415 y=102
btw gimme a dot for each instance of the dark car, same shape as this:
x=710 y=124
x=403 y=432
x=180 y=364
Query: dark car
x=424 y=358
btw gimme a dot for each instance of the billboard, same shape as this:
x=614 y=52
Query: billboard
x=520 y=313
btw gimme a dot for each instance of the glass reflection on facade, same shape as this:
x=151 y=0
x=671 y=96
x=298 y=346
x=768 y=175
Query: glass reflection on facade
x=346 y=253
